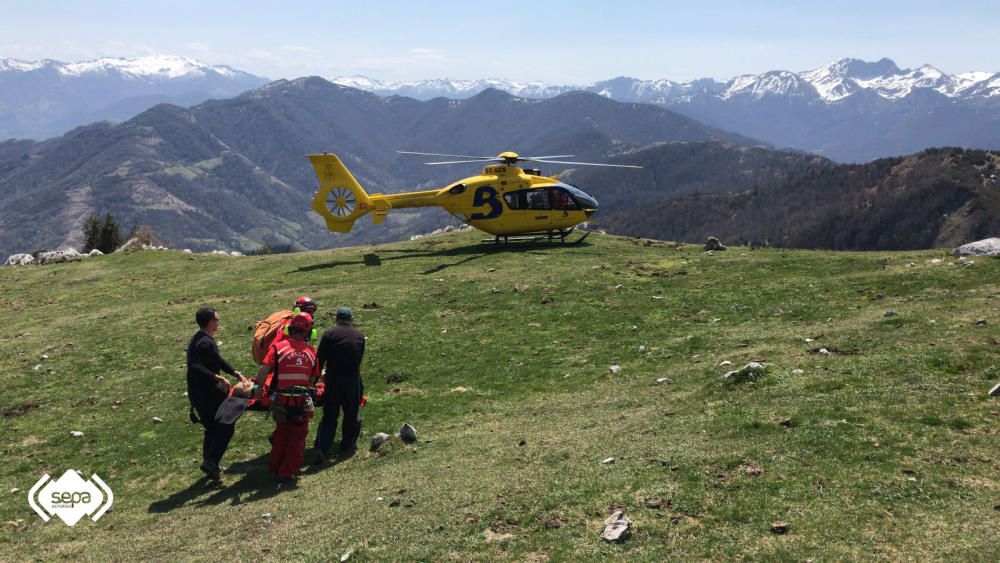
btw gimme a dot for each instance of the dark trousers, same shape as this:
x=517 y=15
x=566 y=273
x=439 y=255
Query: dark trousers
x=341 y=394
x=217 y=435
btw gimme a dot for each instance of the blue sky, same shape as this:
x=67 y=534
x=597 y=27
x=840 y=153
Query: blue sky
x=553 y=41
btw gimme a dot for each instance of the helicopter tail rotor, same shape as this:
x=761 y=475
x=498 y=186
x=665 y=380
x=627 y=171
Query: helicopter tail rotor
x=341 y=200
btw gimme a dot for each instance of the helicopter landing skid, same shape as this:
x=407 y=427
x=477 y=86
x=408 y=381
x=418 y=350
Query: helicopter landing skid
x=531 y=237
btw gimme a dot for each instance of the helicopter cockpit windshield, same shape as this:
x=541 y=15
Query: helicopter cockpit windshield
x=585 y=200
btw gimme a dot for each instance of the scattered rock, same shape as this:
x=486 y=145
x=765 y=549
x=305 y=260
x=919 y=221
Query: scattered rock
x=395 y=378
x=522 y=443
x=748 y=467
x=346 y=555
x=266 y=517
x=980 y=322
x=615 y=368
x=798 y=371
x=995 y=392
x=157 y=419
x=378 y=440
x=787 y=423
x=57 y=256
x=749 y=372
x=187 y=251
x=725 y=363
x=236 y=253
x=642 y=349
x=654 y=503
x=370 y=306
x=823 y=352
x=617 y=527
x=608 y=461
x=490 y=270
x=889 y=313
x=519 y=287
x=985 y=247
x=408 y=433
x=14 y=490
x=19 y=260
x=95 y=252
x=936 y=261
x=662 y=380
x=495 y=290
x=779 y=527
x=714 y=244
x=460 y=389
x=809 y=340
x=76 y=433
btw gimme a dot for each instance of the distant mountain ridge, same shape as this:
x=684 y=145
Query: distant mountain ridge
x=41 y=99
x=828 y=83
x=233 y=173
x=940 y=197
x=849 y=110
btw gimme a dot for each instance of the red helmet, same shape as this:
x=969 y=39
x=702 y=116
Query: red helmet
x=305 y=304
x=302 y=321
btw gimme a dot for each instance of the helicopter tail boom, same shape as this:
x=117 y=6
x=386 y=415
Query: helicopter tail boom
x=341 y=200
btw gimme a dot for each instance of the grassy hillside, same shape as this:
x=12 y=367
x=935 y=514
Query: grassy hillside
x=884 y=449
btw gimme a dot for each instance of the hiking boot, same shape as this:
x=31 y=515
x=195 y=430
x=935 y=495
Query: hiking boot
x=212 y=471
x=995 y=392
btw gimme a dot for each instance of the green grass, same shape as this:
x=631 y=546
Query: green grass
x=885 y=449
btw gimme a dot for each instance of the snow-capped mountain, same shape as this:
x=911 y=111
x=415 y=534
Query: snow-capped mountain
x=848 y=110
x=44 y=98
x=153 y=67
x=829 y=83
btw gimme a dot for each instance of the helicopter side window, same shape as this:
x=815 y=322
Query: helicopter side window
x=516 y=200
x=538 y=199
x=561 y=200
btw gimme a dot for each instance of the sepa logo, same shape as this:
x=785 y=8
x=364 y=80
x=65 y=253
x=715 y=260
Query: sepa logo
x=70 y=497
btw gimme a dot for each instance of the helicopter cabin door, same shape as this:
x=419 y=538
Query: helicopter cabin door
x=531 y=208
x=543 y=208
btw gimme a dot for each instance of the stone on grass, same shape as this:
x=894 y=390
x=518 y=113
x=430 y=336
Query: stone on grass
x=985 y=247
x=981 y=322
x=608 y=461
x=995 y=392
x=662 y=380
x=378 y=440
x=798 y=371
x=157 y=419
x=889 y=313
x=76 y=433
x=95 y=252
x=408 y=433
x=19 y=260
x=779 y=527
x=615 y=368
x=714 y=244
x=824 y=352
x=749 y=372
x=57 y=256
x=617 y=527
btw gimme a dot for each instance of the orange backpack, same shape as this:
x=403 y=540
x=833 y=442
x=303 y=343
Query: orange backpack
x=265 y=331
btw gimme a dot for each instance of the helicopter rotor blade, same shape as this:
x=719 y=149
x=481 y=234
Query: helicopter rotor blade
x=534 y=158
x=448 y=155
x=466 y=161
x=587 y=163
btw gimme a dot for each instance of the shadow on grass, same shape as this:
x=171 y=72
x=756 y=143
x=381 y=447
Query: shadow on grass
x=470 y=252
x=255 y=484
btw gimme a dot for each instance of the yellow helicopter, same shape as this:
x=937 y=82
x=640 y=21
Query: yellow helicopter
x=504 y=201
